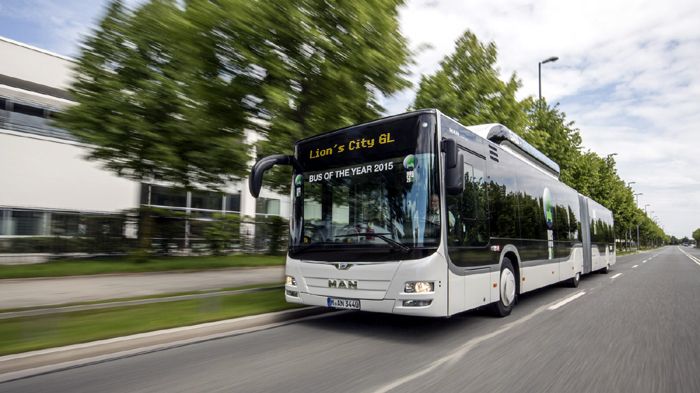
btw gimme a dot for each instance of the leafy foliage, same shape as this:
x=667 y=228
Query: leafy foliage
x=168 y=90
x=326 y=65
x=157 y=99
x=550 y=132
x=468 y=89
x=222 y=232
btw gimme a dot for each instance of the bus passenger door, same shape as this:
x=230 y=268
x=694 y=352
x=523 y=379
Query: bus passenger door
x=467 y=216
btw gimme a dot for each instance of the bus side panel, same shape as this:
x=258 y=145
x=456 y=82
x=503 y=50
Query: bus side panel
x=612 y=256
x=598 y=258
x=470 y=291
x=495 y=280
x=457 y=291
x=533 y=277
x=586 y=235
x=602 y=235
x=573 y=265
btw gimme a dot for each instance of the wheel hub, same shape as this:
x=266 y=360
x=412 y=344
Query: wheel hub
x=507 y=287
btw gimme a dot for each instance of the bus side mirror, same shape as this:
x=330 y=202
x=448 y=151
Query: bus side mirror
x=454 y=168
x=260 y=167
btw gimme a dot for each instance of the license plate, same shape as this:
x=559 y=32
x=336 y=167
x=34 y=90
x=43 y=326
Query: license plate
x=351 y=304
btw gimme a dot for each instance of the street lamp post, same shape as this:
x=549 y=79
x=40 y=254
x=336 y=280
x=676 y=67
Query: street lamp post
x=539 y=72
x=628 y=235
x=653 y=218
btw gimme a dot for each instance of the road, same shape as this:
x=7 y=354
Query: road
x=33 y=292
x=636 y=329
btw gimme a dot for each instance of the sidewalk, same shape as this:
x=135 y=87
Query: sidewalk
x=33 y=292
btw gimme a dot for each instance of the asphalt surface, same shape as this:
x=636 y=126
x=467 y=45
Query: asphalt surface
x=636 y=329
x=32 y=292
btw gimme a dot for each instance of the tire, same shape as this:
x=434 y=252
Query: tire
x=507 y=290
x=574 y=281
x=605 y=270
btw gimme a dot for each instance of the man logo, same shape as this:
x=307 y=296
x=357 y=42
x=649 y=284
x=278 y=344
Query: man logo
x=342 y=284
x=342 y=266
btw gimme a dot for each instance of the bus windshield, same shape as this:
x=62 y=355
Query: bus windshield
x=368 y=189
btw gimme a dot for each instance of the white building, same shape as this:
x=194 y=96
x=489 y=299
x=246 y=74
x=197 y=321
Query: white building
x=45 y=184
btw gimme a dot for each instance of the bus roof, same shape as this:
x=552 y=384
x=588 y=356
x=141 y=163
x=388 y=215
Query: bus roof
x=496 y=133
x=500 y=134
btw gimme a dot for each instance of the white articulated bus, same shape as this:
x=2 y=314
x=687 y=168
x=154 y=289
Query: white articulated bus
x=417 y=214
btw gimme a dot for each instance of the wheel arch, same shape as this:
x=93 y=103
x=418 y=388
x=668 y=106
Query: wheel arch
x=511 y=252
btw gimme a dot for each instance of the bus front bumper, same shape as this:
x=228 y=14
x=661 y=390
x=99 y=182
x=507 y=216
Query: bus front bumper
x=391 y=306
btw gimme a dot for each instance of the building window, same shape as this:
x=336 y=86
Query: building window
x=233 y=202
x=206 y=200
x=28 y=110
x=267 y=206
x=164 y=196
x=27 y=223
x=5 y=222
x=66 y=224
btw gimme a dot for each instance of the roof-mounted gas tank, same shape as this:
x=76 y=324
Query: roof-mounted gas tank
x=500 y=134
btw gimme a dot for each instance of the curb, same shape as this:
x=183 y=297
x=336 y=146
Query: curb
x=32 y=312
x=28 y=364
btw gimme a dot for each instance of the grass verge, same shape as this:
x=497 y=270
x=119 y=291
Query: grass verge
x=33 y=333
x=145 y=297
x=79 y=267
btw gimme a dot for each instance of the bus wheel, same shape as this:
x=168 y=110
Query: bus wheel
x=504 y=305
x=605 y=270
x=573 y=281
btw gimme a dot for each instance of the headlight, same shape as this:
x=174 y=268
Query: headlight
x=291 y=281
x=419 y=287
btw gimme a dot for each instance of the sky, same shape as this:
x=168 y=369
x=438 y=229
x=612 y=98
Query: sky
x=628 y=73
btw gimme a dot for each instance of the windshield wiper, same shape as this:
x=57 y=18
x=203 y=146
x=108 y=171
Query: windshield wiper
x=382 y=236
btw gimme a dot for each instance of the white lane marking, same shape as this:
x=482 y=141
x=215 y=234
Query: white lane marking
x=453 y=357
x=692 y=258
x=644 y=261
x=567 y=300
x=617 y=275
x=635 y=266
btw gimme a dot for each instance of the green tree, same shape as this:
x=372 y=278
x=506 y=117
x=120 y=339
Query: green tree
x=156 y=101
x=326 y=66
x=551 y=133
x=167 y=90
x=696 y=236
x=467 y=87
